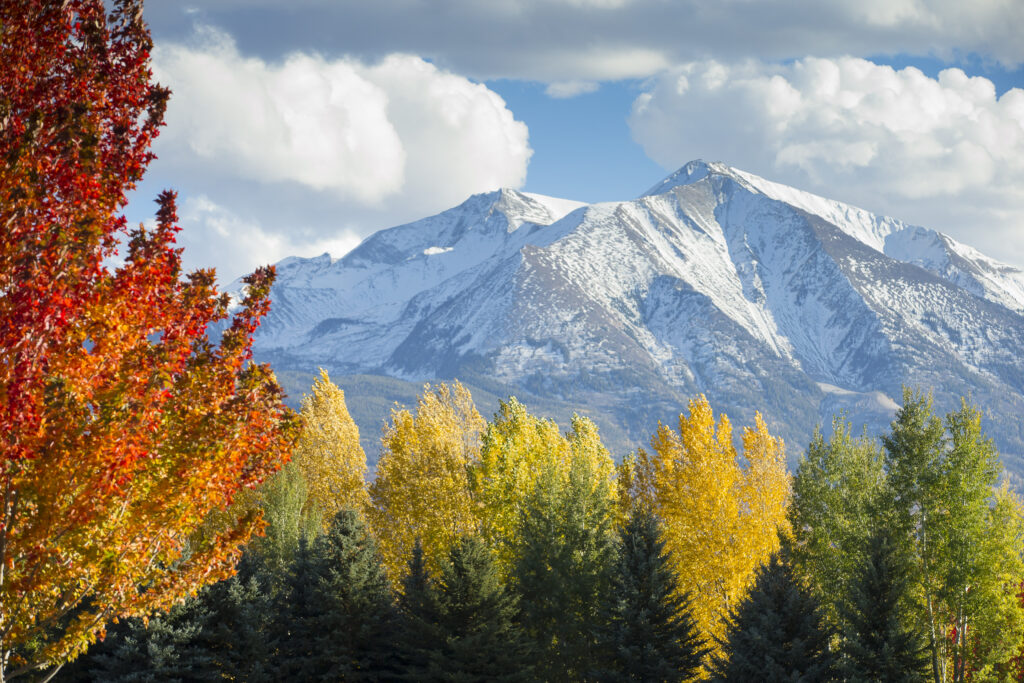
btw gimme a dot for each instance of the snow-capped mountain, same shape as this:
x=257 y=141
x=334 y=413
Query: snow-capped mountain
x=715 y=281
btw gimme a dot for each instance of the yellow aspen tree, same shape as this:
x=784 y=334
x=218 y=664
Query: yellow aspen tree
x=625 y=478
x=721 y=520
x=422 y=487
x=585 y=446
x=765 y=492
x=518 y=449
x=328 y=454
x=515 y=450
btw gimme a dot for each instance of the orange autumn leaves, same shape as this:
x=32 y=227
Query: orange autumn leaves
x=125 y=428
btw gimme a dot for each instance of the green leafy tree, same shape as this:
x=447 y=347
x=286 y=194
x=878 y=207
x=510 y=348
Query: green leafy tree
x=564 y=552
x=840 y=494
x=283 y=500
x=649 y=633
x=776 y=633
x=964 y=535
x=881 y=641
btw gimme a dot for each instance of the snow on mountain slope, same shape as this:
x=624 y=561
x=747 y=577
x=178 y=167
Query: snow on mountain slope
x=941 y=254
x=761 y=296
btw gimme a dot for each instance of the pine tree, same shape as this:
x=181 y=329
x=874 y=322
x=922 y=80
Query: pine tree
x=166 y=647
x=214 y=635
x=240 y=611
x=418 y=630
x=776 y=633
x=649 y=633
x=336 y=619
x=295 y=614
x=564 y=553
x=880 y=643
x=476 y=617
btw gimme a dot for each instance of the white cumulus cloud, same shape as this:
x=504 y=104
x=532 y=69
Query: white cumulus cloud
x=314 y=146
x=318 y=123
x=945 y=152
x=242 y=243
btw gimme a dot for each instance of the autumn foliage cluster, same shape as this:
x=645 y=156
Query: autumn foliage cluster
x=511 y=547
x=125 y=429
x=542 y=521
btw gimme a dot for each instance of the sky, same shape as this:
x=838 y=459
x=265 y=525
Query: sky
x=302 y=127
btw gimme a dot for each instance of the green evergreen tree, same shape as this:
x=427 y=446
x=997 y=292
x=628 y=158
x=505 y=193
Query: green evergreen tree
x=295 y=611
x=166 y=649
x=880 y=642
x=336 y=618
x=564 y=554
x=236 y=632
x=649 y=632
x=476 y=618
x=418 y=630
x=775 y=634
x=215 y=635
x=914 y=456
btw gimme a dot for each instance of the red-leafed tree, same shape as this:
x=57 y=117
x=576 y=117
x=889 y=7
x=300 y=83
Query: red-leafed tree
x=125 y=431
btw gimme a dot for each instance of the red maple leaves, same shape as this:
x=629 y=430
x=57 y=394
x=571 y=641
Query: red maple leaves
x=125 y=429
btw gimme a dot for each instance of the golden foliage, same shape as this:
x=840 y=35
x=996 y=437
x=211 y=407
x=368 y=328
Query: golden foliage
x=328 y=454
x=721 y=520
x=422 y=485
x=518 y=449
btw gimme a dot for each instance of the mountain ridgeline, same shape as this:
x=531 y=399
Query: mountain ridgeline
x=760 y=296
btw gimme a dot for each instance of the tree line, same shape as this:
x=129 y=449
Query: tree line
x=508 y=550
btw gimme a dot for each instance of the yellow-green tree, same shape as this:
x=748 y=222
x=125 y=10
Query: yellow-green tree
x=518 y=448
x=328 y=454
x=422 y=486
x=722 y=520
x=563 y=552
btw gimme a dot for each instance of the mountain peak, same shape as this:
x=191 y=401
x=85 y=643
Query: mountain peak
x=690 y=173
x=864 y=226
